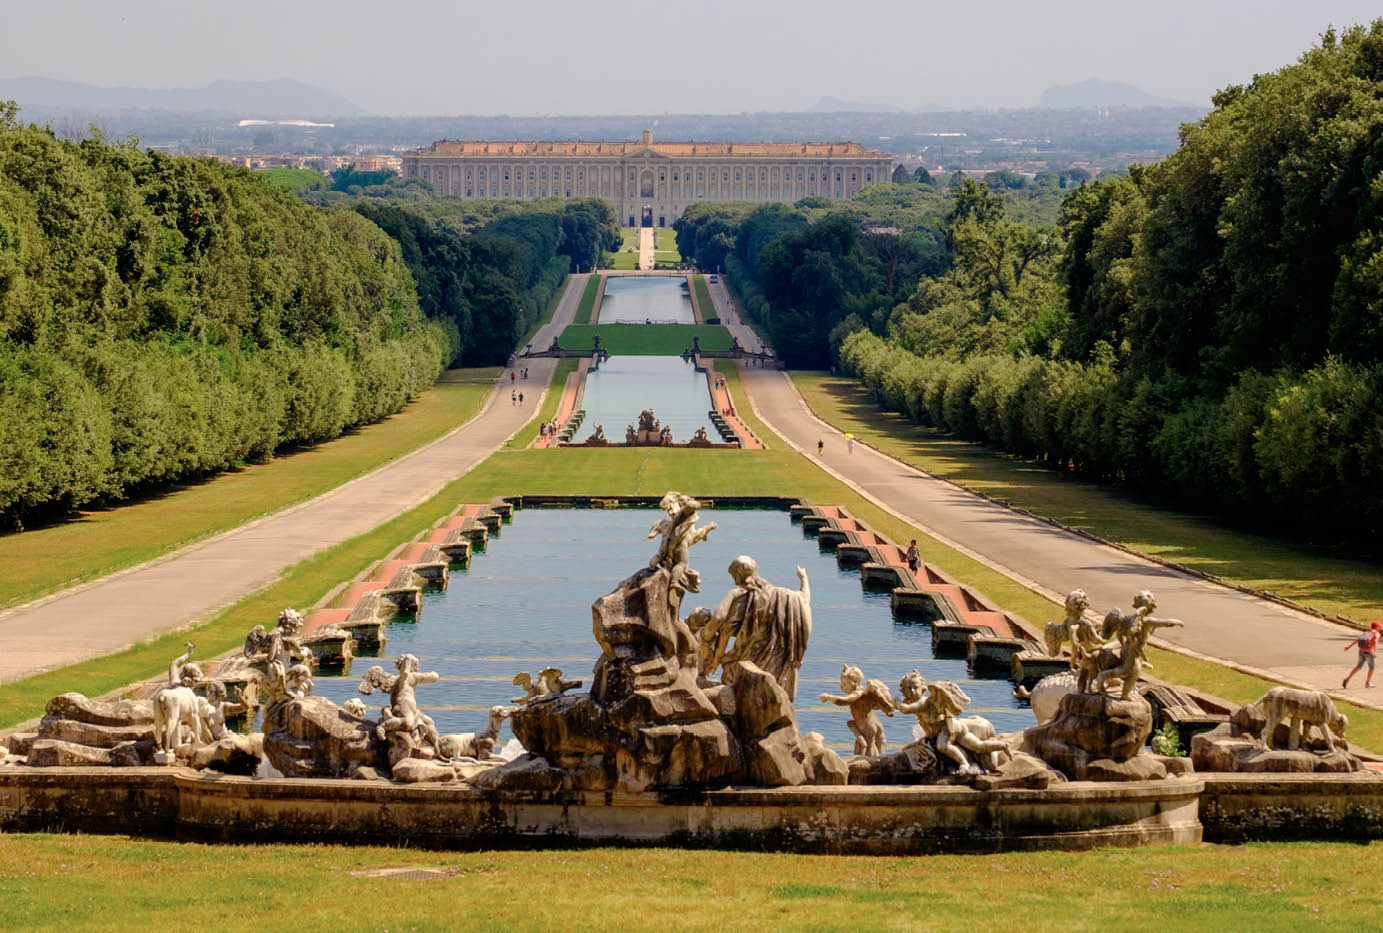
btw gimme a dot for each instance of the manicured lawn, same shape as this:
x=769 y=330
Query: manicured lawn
x=646 y=339
x=100 y=541
x=585 y=312
x=629 y=237
x=703 y=296
x=126 y=883
x=1317 y=576
x=665 y=246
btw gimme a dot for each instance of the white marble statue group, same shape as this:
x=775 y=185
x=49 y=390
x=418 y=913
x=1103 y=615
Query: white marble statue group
x=937 y=707
x=1114 y=651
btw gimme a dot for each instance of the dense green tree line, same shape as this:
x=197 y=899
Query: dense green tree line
x=162 y=318
x=1209 y=327
x=488 y=288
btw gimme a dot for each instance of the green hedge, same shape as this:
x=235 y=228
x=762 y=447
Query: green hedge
x=1301 y=447
x=164 y=318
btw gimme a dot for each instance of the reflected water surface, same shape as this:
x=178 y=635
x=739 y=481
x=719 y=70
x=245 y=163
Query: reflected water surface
x=623 y=386
x=634 y=299
x=525 y=603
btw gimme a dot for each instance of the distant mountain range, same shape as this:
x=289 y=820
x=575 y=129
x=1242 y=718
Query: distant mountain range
x=1097 y=93
x=282 y=97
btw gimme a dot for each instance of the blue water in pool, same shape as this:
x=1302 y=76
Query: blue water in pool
x=623 y=386
x=525 y=603
x=633 y=299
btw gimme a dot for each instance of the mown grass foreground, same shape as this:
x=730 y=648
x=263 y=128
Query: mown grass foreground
x=645 y=339
x=138 y=883
x=1332 y=583
x=96 y=542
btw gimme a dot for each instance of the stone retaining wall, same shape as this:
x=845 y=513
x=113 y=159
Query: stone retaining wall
x=878 y=820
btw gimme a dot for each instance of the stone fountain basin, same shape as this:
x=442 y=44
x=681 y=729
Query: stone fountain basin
x=186 y=804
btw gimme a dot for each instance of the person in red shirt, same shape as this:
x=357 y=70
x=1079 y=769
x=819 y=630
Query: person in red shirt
x=1367 y=644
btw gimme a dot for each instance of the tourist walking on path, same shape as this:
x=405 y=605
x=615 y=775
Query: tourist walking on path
x=513 y=397
x=1367 y=644
x=520 y=398
x=820 y=447
x=914 y=556
x=850 y=445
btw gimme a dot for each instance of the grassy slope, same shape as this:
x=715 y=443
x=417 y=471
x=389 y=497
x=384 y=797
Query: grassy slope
x=703 y=296
x=101 y=541
x=142 y=884
x=1333 y=583
x=585 y=312
x=644 y=339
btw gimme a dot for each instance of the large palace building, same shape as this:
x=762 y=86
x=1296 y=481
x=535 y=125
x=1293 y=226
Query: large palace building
x=649 y=183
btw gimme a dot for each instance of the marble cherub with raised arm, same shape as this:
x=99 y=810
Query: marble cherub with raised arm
x=866 y=699
x=1132 y=632
x=679 y=533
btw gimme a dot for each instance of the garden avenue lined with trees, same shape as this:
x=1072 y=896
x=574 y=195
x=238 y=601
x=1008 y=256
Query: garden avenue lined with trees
x=163 y=319
x=1208 y=327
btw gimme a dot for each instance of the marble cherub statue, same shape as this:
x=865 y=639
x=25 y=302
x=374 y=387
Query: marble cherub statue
x=553 y=684
x=938 y=715
x=1083 y=635
x=679 y=533
x=866 y=699
x=531 y=690
x=281 y=644
x=215 y=708
x=769 y=624
x=1128 y=662
x=403 y=724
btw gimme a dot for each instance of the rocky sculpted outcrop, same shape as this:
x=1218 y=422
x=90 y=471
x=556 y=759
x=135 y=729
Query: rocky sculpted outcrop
x=1276 y=735
x=313 y=737
x=653 y=718
x=1097 y=737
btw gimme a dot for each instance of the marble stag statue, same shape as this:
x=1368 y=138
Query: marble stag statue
x=406 y=728
x=1083 y=635
x=680 y=532
x=866 y=699
x=938 y=715
x=1128 y=661
x=769 y=624
x=178 y=714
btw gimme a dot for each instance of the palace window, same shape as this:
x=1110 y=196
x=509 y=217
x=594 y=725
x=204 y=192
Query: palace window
x=724 y=176
x=737 y=174
x=662 y=175
x=799 y=174
x=580 y=176
x=674 y=176
x=531 y=176
x=852 y=176
x=763 y=174
x=868 y=176
x=468 y=192
x=482 y=191
x=542 y=191
x=506 y=174
x=631 y=174
x=837 y=176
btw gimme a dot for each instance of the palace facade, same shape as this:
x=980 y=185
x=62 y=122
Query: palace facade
x=649 y=183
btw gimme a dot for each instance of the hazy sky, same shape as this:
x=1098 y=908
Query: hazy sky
x=652 y=56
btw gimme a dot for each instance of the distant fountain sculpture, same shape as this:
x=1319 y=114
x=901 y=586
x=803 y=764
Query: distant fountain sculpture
x=866 y=699
x=597 y=438
x=631 y=436
x=700 y=438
